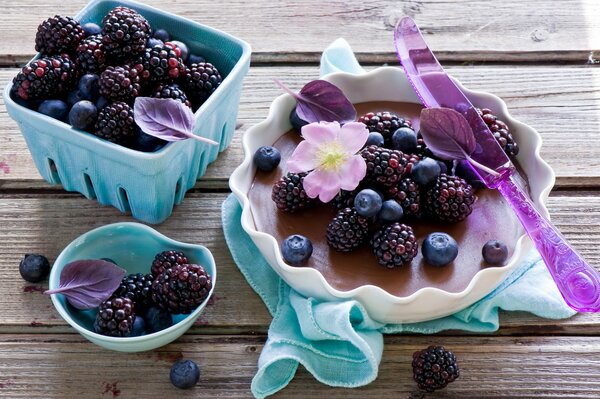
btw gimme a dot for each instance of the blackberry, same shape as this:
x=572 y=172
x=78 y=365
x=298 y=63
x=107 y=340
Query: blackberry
x=120 y=83
x=394 y=245
x=90 y=55
x=347 y=230
x=166 y=260
x=181 y=288
x=385 y=123
x=422 y=150
x=45 y=78
x=501 y=132
x=201 y=80
x=449 y=199
x=171 y=91
x=115 y=317
x=124 y=33
x=58 y=35
x=160 y=64
x=407 y=194
x=289 y=195
x=345 y=199
x=136 y=287
x=115 y=123
x=386 y=167
x=434 y=368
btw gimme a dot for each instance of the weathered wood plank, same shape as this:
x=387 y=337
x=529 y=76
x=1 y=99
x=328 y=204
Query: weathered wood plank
x=298 y=31
x=47 y=223
x=66 y=366
x=562 y=103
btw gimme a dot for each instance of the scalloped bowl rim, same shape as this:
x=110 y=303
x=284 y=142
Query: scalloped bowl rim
x=545 y=177
x=143 y=229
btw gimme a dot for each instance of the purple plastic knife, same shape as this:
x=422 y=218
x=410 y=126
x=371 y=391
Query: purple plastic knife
x=578 y=282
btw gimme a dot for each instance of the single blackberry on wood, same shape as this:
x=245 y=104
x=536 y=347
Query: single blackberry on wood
x=434 y=368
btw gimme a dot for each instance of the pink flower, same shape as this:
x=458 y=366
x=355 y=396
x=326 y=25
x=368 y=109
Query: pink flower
x=329 y=153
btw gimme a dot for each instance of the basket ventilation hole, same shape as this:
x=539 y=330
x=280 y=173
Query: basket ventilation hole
x=54 y=171
x=124 y=200
x=89 y=186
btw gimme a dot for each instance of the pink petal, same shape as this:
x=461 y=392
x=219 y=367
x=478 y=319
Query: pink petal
x=319 y=133
x=322 y=184
x=352 y=172
x=303 y=158
x=353 y=136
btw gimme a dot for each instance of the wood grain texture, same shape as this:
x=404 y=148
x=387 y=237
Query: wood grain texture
x=465 y=30
x=68 y=367
x=47 y=223
x=561 y=102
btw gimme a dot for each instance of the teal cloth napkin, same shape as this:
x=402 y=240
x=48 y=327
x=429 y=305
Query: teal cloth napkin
x=337 y=342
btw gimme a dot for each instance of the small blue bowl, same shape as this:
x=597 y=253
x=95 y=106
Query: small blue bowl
x=132 y=246
x=146 y=184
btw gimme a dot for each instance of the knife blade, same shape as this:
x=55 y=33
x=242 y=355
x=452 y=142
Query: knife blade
x=577 y=281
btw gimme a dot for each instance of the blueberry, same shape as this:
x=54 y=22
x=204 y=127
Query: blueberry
x=267 y=158
x=439 y=249
x=83 y=115
x=495 y=252
x=88 y=87
x=296 y=249
x=91 y=29
x=138 y=328
x=34 y=268
x=184 y=49
x=101 y=102
x=405 y=140
x=425 y=171
x=162 y=34
x=195 y=59
x=390 y=212
x=375 y=139
x=154 y=42
x=56 y=109
x=157 y=319
x=74 y=97
x=464 y=170
x=184 y=374
x=296 y=122
x=145 y=143
x=368 y=202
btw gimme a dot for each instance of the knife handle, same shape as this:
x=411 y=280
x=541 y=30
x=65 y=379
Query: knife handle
x=577 y=281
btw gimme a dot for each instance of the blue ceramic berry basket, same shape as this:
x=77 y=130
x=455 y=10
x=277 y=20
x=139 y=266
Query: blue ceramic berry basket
x=146 y=184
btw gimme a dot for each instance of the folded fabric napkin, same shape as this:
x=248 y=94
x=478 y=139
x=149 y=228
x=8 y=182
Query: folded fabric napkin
x=337 y=341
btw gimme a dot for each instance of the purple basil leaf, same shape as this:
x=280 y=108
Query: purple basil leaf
x=447 y=133
x=321 y=101
x=166 y=118
x=87 y=283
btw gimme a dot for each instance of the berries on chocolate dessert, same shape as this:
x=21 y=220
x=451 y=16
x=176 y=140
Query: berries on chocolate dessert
x=495 y=252
x=439 y=249
x=182 y=288
x=166 y=260
x=160 y=64
x=394 y=245
x=449 y=199
x=115 y=123
x=124 y=33
x=296 y=249
x=501 y=132
x=136 y=287
x=407 y=194
x=120 y=83
x=58 y=35
x=201 y=80
x=385 y=123
x=90 y=55
x=288 y=193
x=115 y=317
x=171 y=90
x=347 y=230
x=434 y=368
x=46 y=78
x=386 y=167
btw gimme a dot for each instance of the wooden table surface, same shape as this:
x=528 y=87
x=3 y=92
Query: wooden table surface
x=538 y=55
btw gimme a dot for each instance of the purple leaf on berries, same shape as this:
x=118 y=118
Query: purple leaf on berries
x=166 y=118
x=447 y=133
x=321 y=101
x=87 y=283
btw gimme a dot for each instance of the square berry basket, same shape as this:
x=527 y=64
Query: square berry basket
x=146 y=184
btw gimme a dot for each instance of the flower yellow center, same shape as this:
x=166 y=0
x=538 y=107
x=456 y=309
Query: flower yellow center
x=331 y=156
